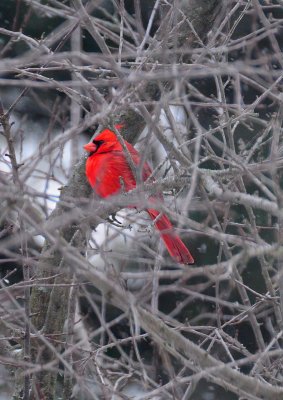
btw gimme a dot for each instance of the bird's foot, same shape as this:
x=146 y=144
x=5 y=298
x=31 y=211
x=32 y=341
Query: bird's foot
x=114 y=221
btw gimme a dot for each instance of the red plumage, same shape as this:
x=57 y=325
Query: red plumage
x=107 y=167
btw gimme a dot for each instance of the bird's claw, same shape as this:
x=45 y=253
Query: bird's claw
x=113 y=220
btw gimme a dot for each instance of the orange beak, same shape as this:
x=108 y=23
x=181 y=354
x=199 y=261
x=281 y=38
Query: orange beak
x=90 y=147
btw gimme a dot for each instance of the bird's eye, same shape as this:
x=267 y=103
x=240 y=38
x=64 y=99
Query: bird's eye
x=97 y=143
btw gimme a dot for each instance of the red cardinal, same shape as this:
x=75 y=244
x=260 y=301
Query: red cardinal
x=108 y=172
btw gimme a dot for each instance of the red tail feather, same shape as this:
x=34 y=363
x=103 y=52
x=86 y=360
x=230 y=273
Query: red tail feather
x=174 y=244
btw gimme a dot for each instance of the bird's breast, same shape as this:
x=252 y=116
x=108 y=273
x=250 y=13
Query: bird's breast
x=109 y=174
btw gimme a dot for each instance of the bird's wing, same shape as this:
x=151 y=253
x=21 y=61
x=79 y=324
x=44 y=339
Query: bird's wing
x=109 y=173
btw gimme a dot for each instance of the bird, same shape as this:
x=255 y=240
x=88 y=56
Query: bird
x=109 y=172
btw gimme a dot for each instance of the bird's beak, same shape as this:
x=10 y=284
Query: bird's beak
x=90 y=147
